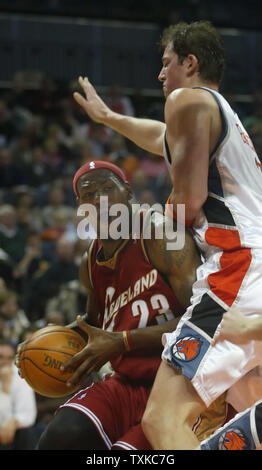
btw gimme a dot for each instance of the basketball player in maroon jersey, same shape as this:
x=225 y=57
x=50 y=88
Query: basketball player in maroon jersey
x=203 y=143
x=137 y=290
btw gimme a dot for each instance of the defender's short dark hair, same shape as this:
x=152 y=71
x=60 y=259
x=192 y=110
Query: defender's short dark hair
x=201 y=39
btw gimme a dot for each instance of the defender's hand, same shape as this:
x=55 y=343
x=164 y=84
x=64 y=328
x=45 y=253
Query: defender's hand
x=92 y=104
x=234 y=327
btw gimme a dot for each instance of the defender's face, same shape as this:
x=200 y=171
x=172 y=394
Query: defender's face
x=173 y=73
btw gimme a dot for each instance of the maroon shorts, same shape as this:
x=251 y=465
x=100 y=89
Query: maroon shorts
x=115 y=407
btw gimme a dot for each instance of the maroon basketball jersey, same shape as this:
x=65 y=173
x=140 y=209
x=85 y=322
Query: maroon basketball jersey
x=131 y=294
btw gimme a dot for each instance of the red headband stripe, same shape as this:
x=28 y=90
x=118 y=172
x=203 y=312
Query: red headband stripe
x=95 y=165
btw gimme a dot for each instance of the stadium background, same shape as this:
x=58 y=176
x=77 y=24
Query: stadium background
x=44 y=136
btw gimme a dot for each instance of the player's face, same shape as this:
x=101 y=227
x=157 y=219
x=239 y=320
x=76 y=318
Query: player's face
x=102 y=183
x=173 y=73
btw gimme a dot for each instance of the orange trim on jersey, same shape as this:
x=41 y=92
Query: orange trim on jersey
x=234 y=262
x=226 y=239
x=144 y=248
x=142 y=241
x=170 y=211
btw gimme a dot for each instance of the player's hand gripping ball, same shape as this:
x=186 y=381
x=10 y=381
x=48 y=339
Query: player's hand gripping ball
x=41 y=356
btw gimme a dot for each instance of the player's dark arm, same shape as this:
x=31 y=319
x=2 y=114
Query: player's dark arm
x=179 y=267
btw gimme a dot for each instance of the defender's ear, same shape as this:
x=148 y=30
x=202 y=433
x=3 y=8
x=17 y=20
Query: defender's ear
x=192 y=64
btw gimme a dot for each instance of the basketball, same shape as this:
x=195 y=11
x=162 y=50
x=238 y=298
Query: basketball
x=42 y=355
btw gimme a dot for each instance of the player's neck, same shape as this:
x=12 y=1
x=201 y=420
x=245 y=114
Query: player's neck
x=110 y=247
x=201 y=83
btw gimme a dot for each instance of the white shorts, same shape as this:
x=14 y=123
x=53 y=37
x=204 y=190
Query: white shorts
x=215 y=369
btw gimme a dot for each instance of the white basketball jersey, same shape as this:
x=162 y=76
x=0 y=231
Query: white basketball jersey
x=234 y=187
x=228 y=231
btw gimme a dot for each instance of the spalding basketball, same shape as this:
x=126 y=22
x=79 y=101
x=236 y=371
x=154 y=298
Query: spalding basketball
x=42 y=355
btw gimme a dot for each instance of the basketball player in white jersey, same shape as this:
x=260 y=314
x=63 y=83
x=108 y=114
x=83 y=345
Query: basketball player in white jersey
x=217 y=175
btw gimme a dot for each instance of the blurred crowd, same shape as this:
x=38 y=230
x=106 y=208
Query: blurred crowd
x=44 y=138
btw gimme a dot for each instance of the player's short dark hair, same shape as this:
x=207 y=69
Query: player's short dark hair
x=201 y=39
